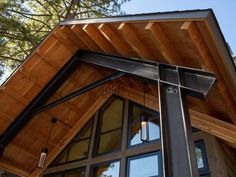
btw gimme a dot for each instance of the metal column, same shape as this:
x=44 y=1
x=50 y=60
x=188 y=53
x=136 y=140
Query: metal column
x=177 y=145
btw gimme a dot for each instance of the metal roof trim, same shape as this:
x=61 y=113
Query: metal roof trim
x=172 y=15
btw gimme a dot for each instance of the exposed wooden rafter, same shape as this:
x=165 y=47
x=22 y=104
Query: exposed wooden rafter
x=114 y=40
x=129 y=34
x=99 y=39
x=80 y=33
x=167 y=49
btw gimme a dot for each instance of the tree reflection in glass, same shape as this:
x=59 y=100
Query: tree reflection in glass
x=144 y=166
x=108 y=170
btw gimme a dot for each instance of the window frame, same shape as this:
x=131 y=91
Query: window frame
x=67 y=148
x=94 y=166
x=99 y=127
x=205 y=170
x=158 y=153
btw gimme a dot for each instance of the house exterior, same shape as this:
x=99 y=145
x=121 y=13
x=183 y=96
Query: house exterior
x=108 y=82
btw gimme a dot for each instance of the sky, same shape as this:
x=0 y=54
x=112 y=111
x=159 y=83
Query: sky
x=225 y=11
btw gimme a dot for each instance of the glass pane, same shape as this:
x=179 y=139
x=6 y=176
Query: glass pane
x=145 y=166
x=112 y=115
x=77 y=174
x=108 y=170
x=199 y=156
x=154 y=129
x=78 y=150
x=109 y=141
x=85 y=132
x=136 y=134
x=61 y=158
x=153 y=125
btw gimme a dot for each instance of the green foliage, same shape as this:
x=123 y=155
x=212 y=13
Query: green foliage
x=24 y=23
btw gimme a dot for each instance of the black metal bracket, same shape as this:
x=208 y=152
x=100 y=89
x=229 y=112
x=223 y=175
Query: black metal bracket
x=78 y=92
x=174 y=83
x=195 y=82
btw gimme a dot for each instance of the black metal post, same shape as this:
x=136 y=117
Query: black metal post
x=177 y=144
x=178 y=154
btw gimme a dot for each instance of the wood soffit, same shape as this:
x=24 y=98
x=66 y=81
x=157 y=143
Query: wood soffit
x=190 y=38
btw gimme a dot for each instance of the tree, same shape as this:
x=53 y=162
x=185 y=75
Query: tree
x=24 y=23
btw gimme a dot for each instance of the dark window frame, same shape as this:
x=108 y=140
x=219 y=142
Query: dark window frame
x=205 y=170
x=158 y=153
x=94 y=166
x=99 y=127
x=67 y=172
x=67 y=148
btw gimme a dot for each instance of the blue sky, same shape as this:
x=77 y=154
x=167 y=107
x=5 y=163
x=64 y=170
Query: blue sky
x=225 y=11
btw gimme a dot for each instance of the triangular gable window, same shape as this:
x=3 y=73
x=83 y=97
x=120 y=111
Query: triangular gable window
x=77 y=149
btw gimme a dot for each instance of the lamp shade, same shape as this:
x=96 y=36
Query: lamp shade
x=42 y=157
x=144 y=128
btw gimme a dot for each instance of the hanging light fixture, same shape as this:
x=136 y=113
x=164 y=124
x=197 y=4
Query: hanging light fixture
x=44 y=149
x=144 y=121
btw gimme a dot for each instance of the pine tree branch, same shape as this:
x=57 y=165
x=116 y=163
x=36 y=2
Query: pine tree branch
x=45 y=8
x=2 y=57
x=30 y=14
x=31 y=18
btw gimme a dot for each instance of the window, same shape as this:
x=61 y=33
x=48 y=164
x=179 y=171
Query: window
x=135 y=114
x=107 y=158
x=111 y=169
x=78 y=147
x=146 y=166
x=201 y=159
x=110 y=126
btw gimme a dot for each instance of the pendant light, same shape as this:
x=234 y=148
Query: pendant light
x=144 y=120
x=44 y=150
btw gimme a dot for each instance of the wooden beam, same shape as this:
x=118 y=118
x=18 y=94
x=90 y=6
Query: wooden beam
x=214 y=126
x=194 y=33
x=114 y=39
x=23 y=150
x=66 y=40
x=13 y=169
x=66 y=30
x=85 y=38
x=129 y=34
x=99 y=39
x=221 y=129
x=166 y=48
x=77 y=127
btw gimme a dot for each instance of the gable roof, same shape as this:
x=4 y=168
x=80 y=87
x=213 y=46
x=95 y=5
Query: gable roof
x=187 y=38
